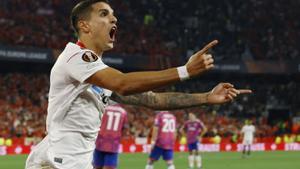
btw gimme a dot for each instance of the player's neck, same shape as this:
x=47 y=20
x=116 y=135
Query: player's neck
x=89 y=45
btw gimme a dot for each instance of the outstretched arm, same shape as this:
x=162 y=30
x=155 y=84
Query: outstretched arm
x=222 y=93
x=162 y=101
x=137 y=82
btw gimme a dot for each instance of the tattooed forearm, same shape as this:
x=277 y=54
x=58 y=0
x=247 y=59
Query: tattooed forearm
x=163 y=101
x=181 y=100
x=144 y=99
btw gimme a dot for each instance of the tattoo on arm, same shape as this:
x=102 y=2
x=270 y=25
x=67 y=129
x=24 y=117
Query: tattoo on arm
x=162 y=101
x=143 y=99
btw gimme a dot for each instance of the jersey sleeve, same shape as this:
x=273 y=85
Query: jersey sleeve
x=84 y=64
x=157 y=121
x=243 y=129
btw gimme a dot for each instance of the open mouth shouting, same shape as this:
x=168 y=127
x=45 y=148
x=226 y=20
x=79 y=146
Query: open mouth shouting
x=112 y=33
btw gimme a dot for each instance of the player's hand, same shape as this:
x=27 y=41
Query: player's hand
x=152 y=145
x=201 y=61
x=224 y=92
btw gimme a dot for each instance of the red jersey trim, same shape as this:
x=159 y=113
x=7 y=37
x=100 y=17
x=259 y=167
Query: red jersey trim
x=79 y=43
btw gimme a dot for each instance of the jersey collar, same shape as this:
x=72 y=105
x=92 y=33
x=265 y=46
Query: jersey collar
x=82 y=46
x=79 y=43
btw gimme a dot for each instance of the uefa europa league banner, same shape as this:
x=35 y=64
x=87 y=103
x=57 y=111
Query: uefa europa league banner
x=24 y=54
x=155 y=62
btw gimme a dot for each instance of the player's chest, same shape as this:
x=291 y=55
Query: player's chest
x=193 y=127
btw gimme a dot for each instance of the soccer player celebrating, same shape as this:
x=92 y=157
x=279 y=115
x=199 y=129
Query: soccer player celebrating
x=74 y=104
x=163 y=139
x=194 y=129
x=114 y=121
x=247 y=131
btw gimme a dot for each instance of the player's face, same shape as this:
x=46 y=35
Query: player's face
x=103 y=27
x=191 y=116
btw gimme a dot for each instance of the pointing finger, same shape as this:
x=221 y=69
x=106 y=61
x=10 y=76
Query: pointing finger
x=234 y=90
x=245 y=91
x=207 y=47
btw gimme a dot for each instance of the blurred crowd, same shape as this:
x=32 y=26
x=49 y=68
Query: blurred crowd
x=23 y=108
x=23 y=104
x=253 y=29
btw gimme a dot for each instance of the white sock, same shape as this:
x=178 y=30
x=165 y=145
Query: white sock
x=172 y=166
x=199 y=161
x=191 y=161
x=148 y=166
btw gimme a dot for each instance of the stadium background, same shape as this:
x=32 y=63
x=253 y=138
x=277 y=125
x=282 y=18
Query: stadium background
x=259 y=49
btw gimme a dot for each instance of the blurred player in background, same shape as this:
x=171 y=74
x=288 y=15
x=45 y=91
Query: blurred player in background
x=114 y=121
x=247 y=132
x=194 y=129
x=163 y=139
x=74 y=104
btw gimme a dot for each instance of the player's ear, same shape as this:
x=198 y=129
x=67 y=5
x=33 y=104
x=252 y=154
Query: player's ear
x=84 y=26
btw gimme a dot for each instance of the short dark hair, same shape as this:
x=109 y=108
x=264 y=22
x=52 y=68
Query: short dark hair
x=82 y=11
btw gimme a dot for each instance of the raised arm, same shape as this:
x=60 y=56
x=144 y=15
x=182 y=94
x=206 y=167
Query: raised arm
x=222 y=93
x=137 y=82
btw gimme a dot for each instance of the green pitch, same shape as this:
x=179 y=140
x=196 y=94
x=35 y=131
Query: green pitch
x=258 y=160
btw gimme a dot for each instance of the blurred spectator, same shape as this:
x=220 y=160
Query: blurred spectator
x=254 y=29
x=23 y=107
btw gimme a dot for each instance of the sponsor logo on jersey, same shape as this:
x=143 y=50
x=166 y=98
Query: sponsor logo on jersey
x=100 y=94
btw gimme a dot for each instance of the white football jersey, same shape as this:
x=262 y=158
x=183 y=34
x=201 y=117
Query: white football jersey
x=75 y=106
x=248 y=131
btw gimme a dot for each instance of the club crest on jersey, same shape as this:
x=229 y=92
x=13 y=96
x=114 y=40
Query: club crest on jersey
x=89 y=57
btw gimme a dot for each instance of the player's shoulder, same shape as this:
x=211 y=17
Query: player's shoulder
x=74 y=52
x=199 y=121
x=188 y=122
x=169 y=114
x=116 y=107
x=166 y=114
x=162 y=113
